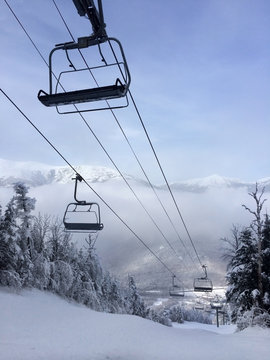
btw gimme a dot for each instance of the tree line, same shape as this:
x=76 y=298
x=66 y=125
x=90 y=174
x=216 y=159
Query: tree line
x=247 y=253
x=35 y=251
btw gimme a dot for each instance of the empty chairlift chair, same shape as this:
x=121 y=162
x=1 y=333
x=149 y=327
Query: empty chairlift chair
x=175 y=289
x=57 y=95
x=82 y=216
x=203 y=284
x=199 y=305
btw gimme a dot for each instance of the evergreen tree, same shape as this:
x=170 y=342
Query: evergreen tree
x=248 y=270
x=41 y=266
x=116 y=297
x=58 y=244
x=80 y=286
x=230 y=245
x=4 y=255
x=266 y=262
x=257 y=227
x=91 y=277
x=36 y=251
x=135 y=302
x=59 y=254
x=10 y=252
x=160 y=318
x=23 y=206
x=39 y=232
x=92 y=266
x=175 y=314
x=242 y=276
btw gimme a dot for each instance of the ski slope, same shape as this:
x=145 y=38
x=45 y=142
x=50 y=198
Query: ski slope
x=37 y=325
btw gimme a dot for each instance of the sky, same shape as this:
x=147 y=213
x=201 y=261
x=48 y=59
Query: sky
x=199 y=76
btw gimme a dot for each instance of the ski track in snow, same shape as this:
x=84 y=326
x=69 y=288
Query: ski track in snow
x=37 y=325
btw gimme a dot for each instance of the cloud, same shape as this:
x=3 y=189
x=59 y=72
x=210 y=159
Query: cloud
x=209 y=216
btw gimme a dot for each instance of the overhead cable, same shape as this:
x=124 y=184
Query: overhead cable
x=130 y=146
x=85 y=181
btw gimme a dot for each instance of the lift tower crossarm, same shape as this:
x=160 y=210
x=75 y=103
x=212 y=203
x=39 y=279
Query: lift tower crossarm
x=95 y=16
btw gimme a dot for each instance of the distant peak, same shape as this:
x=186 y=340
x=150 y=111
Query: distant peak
x=37 y=174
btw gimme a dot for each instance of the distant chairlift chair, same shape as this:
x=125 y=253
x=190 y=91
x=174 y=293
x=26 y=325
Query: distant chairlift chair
x=82 y=216
x=176 y=290
x=203 y=284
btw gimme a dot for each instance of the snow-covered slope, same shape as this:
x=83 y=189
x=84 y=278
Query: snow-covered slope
x=36 y=325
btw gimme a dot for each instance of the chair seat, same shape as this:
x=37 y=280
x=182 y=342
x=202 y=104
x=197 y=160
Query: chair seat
x=83 y=226
x=203 y=288
x=81 y=96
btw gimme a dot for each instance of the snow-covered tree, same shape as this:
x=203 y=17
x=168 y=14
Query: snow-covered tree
x=24 y=205
x=159 y=317
x=41 y=266
x=248 y=269
x=36 y=251
x=61 y=277
x=91 y=276
x=266 y=263
x=176 y=314
x=196 y=315
x=58 y=243
x=257 y=227
x=11 y=254
x=58 y=250
x=39 y=232
x=242 y=275
x=230 y=245
x=134 y=300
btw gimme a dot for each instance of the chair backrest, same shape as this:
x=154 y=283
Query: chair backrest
x=82 y=217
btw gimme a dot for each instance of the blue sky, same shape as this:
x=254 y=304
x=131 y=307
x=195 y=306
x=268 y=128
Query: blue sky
x=200 y=77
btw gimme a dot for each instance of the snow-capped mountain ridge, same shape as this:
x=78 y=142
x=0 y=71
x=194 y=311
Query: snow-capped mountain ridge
x=36 y=174
x=217 y=181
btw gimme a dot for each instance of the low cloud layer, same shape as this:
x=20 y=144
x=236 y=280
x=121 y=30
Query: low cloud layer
x=208 y=215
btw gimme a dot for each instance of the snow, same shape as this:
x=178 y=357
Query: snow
x=38 y=325
x=37 y=174
x=213 y=180
x=223 y=329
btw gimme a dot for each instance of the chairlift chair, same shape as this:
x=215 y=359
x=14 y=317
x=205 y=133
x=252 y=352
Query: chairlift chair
x=81 y=216
x=58 y=96
x=176 y=290
x=208 y=309
x=216 y=305
x=199 y=306
x=203 y=284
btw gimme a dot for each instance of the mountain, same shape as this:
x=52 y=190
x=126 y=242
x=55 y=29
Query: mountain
x=217 y=181
x=37 y=174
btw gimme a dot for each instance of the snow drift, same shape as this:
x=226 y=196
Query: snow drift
x=36 y=325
